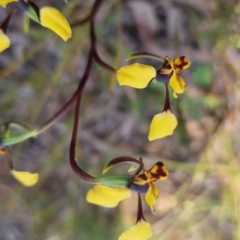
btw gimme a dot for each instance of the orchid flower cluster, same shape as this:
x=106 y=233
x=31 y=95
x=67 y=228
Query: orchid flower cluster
x=108 y=191
x=140 y=75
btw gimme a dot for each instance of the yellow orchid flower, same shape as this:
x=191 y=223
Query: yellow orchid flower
x=141 y=231
x=53 y=19
x=108 y=196
x=148 y=177
x=110 y=190
x=27 y=179
x=3 y=3
x=162 y=125
x=176 y=82
x=4 y=41
x=140 y=75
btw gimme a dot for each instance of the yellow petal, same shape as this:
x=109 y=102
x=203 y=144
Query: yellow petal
x=178 y=84
x=151 y=196
x=51 y=18
x=4 y=41
x=136 y=75
x=141 y=231
x=162 y=125
x=3 y=3
x=27 y=179
x=107 y=196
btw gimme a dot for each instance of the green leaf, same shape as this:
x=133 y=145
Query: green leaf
x=133 y=167
x=7 y=141
x=31 y=13
x=115 y=181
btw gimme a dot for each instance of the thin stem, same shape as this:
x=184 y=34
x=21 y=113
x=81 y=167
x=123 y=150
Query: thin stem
x=94 y=47
x=143 y=55
x=167 y=99
x=125 y=159
x=77 y=170
x=10 y=161
x=102 y=63
x=6 y=22
x=140 y=210
x=78 y=92
x=90 y=17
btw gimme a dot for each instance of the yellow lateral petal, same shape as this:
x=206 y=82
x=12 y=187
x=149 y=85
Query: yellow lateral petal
x=178 y=84
x=3 y=3
x=136 y=75
x=141 y=231
x=51 y=18
x=162 y=125
x=4 y=41
x=107 y=196
x=27 y=179
x=151 y=196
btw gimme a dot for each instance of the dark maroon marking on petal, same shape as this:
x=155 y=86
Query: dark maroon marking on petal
x=142 y=176
x=163 y=77
x=166 y=65
x=160 y=172
x=182 y=64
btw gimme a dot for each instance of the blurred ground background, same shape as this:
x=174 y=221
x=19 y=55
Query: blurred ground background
x=39 y=73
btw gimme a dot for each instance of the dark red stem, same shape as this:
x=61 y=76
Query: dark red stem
x=90 y=17
x=167 y=99
x=140 y=210
x=6 y=22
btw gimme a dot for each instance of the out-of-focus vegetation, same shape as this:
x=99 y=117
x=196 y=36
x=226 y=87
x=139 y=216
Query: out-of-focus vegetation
x=200 y=199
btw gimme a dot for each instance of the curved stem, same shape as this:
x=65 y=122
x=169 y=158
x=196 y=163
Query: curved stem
x=124 y=159
x=102 y=63
x=77 y=93
x=77 y=170
x=6 y=22
x=143 y=55
x=90 y=17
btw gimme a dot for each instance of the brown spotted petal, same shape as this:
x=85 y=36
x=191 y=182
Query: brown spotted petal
x=158 y=172
x=181 y=63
